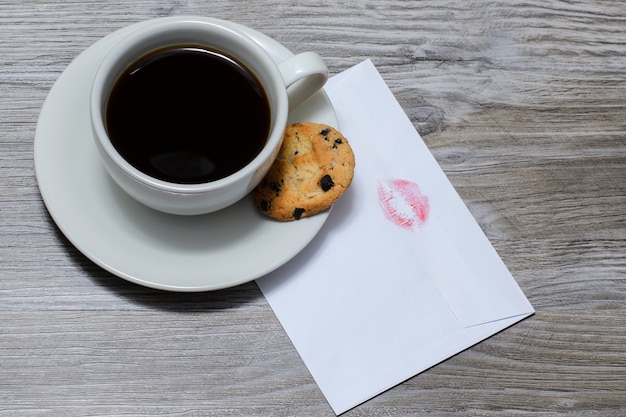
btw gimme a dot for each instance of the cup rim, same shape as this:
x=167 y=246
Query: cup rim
x=172 y=25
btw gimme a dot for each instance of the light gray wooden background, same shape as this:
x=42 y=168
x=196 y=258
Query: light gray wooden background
x=522 y=103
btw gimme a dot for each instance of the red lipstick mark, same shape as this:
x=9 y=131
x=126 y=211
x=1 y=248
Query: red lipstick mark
x=403 y=203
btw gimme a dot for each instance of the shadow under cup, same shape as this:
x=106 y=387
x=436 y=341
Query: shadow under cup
x=188 y=116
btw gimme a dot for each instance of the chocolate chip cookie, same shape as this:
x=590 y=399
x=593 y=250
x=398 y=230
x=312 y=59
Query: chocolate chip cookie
x=313 y=169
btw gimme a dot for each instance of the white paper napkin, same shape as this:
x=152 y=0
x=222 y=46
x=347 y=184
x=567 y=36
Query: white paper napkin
x=401 y=277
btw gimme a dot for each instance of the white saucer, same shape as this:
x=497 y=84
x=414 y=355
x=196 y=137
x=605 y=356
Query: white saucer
x=175 y=253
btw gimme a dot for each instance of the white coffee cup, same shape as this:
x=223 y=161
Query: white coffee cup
x=304 y=74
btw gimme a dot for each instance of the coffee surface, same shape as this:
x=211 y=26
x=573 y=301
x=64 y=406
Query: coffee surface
x=188 y=115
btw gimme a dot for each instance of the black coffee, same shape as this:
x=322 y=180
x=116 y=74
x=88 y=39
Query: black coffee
x=188 y=115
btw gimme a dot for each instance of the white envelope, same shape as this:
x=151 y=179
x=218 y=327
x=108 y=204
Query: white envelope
x=401 y=277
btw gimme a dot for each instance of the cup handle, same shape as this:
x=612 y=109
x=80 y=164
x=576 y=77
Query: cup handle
x=304 y=74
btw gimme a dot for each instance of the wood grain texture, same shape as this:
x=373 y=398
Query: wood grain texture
x=523 y=105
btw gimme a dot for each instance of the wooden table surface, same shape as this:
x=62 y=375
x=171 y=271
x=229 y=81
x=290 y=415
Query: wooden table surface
x=523 y=104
